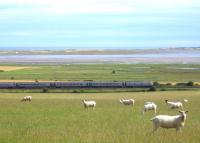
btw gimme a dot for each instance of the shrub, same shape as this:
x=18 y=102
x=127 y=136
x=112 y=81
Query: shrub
x=12 y=78
x=75 y=91
x=153 y=88
x=1 y=70
x=180 y=84
x=45 y=90
x=169 y=84
x=190 y=83
x=155 y=83
x=113 y=72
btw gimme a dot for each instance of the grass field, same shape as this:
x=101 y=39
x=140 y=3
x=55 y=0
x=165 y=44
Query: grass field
x=128 y=72
x=61 y=118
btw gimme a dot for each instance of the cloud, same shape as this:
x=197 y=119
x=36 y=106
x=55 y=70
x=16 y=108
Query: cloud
x=61 y=7
x=134 y=22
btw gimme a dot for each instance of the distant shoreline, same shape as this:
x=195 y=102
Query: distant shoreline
x=100 y=52
x=149 y=56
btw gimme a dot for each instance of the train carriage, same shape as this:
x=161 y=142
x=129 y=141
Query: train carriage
x=138 y=84
x=33 y=85
x=106 y=84
x=70 y=84
x=7 y=85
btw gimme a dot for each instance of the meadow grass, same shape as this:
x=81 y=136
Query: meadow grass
x=127 y=72
x=61 y=118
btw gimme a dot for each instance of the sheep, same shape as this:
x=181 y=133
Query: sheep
x=89 y=103
x=149 y=106
x=27 y=98
x=166 y=121
x=174 y=105
x=127 y=101
x=185 y=100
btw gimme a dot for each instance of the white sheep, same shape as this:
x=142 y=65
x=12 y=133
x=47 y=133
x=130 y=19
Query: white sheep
x=166 y=121
x=127 y=101
x=149 y=106
x=89 y=103
x=174 y=105
x=27 y=98
x=185 y=100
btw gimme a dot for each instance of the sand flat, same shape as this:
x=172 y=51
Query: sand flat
x=13 y=68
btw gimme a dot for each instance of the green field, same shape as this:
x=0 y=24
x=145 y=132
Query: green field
x=128 y=72
x=61 y=118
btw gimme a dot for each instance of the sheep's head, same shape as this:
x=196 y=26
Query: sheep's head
x=166 y=101
x=183 y=114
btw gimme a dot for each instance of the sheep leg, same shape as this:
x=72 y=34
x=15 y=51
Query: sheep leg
x=143 y=112
x=155 y=127
x=178 y=129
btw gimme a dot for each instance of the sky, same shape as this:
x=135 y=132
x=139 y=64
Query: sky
x=98 y=24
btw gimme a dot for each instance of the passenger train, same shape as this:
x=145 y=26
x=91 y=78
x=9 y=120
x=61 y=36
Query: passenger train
x=80 y=84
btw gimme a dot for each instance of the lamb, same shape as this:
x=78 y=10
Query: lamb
x=27 y=98
x=149 y=106
x=174 y=105
x=89 y=103
x=166 y=121
x=127 y=101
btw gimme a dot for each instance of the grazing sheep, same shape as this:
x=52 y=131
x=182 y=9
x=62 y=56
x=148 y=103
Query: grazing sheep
x=127 y=101
x=89 y=103
x=185 y=100
x=166 y=121
x=174 y=105
x=27 y=98
x=149 y=106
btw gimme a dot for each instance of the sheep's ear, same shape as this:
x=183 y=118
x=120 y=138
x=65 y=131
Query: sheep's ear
x=180 y=111
x=186 y=111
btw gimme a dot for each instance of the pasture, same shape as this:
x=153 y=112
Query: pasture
x=61 y=118
x=122 y=72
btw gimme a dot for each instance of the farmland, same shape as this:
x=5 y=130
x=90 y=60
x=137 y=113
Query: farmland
x=62 y=118
x=128 y=72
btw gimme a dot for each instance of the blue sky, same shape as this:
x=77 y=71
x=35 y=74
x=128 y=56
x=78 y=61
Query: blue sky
x=98 y=24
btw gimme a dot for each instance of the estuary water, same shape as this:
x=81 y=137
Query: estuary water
x=133 y=58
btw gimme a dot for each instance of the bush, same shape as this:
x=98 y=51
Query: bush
x=153 y=88
x=1 y=70
x=180 y=84
x=75 y=91
x=113 y=72
x=169 y=84
x=45 y=90
x=12 y=78
x=155 y=83
x=190 y=83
